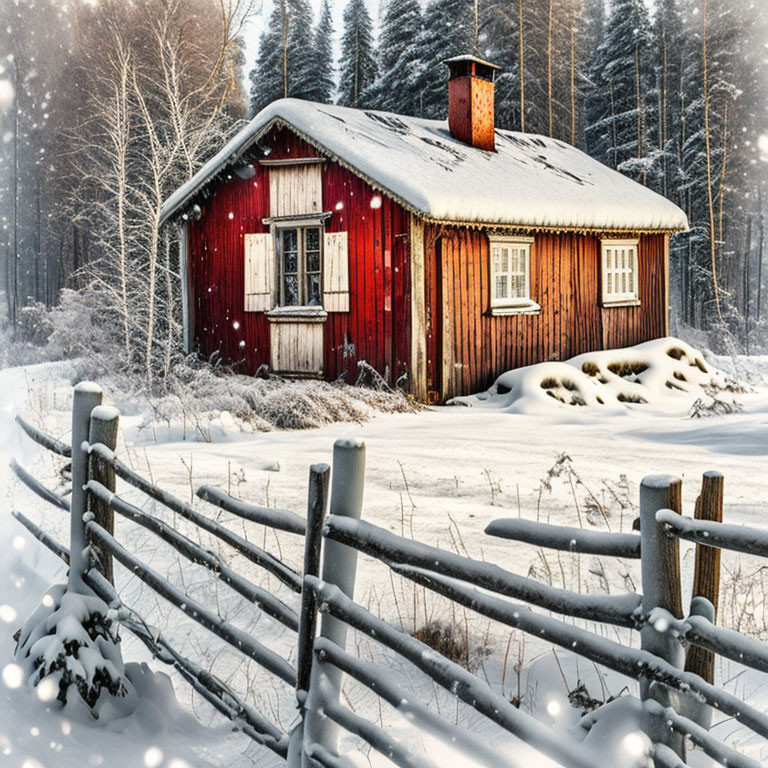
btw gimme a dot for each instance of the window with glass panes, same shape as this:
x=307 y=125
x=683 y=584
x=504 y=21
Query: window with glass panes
x=620 y=277
x=510 y=271
x=300 y=258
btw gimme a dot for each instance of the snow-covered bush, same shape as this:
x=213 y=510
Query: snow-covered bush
x=191 y=390
x=34 y=324
x=80 y=326
x=650 y=373
x=69 y=653
x=197 y=394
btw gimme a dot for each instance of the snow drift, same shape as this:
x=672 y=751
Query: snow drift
x=654 y=372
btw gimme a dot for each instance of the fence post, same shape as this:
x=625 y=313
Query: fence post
x=103 y=429
x=660 y=563
x=319 y=475
x=339 y=568
x=706 y=574
x=87 y=396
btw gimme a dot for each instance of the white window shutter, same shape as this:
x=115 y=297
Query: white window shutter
x=336 y=272
x=260 y=282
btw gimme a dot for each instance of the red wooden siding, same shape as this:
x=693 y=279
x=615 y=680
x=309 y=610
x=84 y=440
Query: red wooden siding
x=472 y=347
x=377 y=327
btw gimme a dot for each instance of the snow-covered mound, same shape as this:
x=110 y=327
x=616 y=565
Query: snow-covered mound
x=654 y=372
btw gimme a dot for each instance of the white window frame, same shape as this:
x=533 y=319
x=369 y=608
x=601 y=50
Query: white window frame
x=627 y=271
x=507 y=305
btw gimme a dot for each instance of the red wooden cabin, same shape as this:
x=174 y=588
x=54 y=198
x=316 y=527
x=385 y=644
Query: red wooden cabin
x=442 y=254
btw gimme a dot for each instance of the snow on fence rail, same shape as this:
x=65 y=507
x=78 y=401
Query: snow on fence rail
x=676 y=690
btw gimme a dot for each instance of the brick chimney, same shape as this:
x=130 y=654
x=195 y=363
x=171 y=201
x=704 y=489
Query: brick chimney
x=470 y=101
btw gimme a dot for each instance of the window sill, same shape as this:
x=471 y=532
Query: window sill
x=621 y=303
x=527 y=308
x=297 y=314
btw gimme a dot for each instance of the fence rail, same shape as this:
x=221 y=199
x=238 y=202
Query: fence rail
x=217 y=693
x=676 y=688
x=389 y=547
x=750 y=541
x=566 y=539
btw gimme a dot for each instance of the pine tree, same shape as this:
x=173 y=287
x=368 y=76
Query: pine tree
x=400 y=27
x=357 y=65
x=397 y=88
x=592 y=26
x=322 y=65
x=669 y=44
x=285 y=66
x=620 y=105
x=713 y=163
x=449 y=30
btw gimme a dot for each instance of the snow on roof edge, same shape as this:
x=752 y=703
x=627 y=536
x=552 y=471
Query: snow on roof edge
x=240 y=143
x=305 y=119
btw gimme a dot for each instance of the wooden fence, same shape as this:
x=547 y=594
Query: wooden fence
x=677 y=688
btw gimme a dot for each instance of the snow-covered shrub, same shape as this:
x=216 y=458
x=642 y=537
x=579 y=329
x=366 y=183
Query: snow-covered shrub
x=447 y=640
x=15 y=352
x=80 y=327
x=34 y=324
x=198 y=394
x=714 y=406
x=191 y=390
x=85 y=328
x=649 y=373
x=69 y=653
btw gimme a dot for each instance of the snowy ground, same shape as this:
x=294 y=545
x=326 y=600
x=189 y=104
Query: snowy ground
x=439 y=476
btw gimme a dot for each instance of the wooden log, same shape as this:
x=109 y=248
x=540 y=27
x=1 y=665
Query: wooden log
x=87 y=396
x=103 y=430
x=280 y=519
x=390 y=548
x=467 y=687
x=38 y=488
x=706 y=575
x=214 y=690
x=701 y=737
x=463 y=739
x=264 y=599
x=698 y=629
x=42 y=536
x=660 y=559
x=566 y=538
x=230 y=634
x=340 y=570
x=475 y=692
x=378 y=738
x=51 y=443
x=736 y=538
x=255 y=554
x=319 y=475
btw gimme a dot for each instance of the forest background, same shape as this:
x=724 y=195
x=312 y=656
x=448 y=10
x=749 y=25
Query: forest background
x=106 y=106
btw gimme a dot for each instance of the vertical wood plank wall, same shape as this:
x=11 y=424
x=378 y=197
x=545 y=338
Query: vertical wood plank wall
x=472 y=348
x=295 y=190
x=465 y=348
x=376 y=328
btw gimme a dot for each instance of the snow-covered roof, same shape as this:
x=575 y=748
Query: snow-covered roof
x=530 y=181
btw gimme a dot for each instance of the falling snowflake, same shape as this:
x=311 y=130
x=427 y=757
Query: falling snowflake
x=762 y=145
